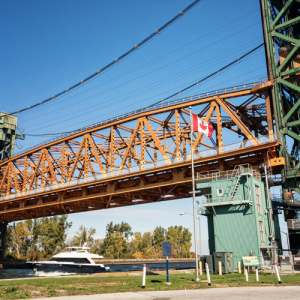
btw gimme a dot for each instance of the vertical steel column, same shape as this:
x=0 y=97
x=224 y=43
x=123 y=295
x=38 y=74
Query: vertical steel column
x=111 y=154
x=178 y=138
x=219 y=132
x=194 y=198
x=3 y=230
x=86 y=157
x=281 y=26
x=63 y=163
x=143 y=145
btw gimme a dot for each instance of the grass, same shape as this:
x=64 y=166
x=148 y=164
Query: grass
x=88 y=285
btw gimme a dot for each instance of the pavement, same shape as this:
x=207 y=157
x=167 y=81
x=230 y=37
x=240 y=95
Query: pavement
x=232 y=293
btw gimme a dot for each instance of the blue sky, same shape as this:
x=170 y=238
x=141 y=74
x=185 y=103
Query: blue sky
x=47 y=46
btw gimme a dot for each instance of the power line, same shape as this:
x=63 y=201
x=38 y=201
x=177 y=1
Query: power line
x=117 y=60
x=161 y=82
x=211 y=75
x=185 y=89
x=105 y=82
x=154 y=85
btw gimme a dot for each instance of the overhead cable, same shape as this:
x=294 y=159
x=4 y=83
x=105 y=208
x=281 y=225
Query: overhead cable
x=211 y=75
x=117 y=60
x=185 y=89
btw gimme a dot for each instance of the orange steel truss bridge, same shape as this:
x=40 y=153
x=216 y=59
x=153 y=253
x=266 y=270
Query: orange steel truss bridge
x=140 y=157
x=145 y=156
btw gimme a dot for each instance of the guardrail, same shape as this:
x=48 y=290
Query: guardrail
x=291 y=200
x=209 y=199
x=142 y=110
x=216 y=174
x=147 y=166
x=293 y=224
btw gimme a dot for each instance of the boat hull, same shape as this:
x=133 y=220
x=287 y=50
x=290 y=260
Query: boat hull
x=68 y=268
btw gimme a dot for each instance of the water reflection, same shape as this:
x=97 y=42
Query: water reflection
x=25 y=273
x=15 y=273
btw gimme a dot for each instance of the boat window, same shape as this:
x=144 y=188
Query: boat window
x=71 y=259
x=76 y=249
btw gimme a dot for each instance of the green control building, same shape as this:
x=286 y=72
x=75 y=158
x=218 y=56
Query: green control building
x=240 y=217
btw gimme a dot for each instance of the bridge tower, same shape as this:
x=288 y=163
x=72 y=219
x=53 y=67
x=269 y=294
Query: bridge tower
x=281 y=26
x=8 y=135
x=3 y=229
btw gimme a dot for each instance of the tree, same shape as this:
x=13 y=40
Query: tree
x=52 y=234
x=159 y=236
x=62 y=228
x=33 y=252
x=136 y=243
x=18 y=239
x=186 y=242
x=84 y=236
x=114 y=234
x=142 y=245
x=114 y=245
x=180 y=240
x=147 y=243
x=124 y=228
x=37 y=239
x=97 y=246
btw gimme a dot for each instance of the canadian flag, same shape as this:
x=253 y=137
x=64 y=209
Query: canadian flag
x=202 y=126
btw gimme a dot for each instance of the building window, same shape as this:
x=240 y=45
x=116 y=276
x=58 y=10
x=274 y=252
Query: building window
x=261 y=231
x=258 y=200
x=219 y=192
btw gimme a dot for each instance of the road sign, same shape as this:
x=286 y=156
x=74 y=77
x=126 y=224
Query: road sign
x=249 y=261
x=166 y=247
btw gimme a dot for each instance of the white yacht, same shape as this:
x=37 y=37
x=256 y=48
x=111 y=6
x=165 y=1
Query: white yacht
x=73 y=260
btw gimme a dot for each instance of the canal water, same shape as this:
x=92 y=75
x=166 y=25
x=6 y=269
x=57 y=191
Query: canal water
x=26 y=273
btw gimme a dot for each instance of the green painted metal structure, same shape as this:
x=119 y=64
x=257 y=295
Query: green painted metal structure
x=3 y=229
x=8 y=134
x=281 y=25
x=238 y=213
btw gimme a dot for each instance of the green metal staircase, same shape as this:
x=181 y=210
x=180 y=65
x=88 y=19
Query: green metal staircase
x=236 y=176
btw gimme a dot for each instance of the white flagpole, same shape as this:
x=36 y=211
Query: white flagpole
x=194 y=198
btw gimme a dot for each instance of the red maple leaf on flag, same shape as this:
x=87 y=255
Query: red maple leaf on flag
x=203 y=127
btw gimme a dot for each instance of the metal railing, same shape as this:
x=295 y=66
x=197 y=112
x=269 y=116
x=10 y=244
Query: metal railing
x=293 y=224
x=143 y=110
x=209 y=199
x=292 y=200
x=147 y=166
x=217 y=174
